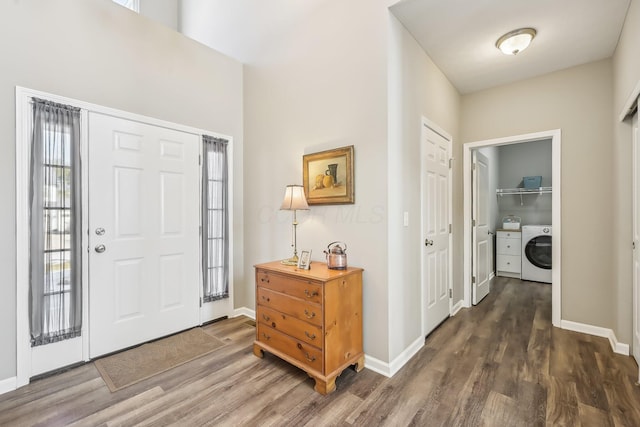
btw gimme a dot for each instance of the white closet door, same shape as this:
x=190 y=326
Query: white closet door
x=436 y=152
x=143 y=232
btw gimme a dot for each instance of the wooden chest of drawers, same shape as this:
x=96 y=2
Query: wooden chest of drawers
x=310 y=318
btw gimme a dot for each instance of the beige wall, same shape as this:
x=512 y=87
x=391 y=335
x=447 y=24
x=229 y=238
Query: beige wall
x=99 y=52
x=626 y=76
x=417 y=88
x=578 y=101
x=315 y=78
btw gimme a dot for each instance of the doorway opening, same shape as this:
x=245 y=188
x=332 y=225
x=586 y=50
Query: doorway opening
x=468 y=149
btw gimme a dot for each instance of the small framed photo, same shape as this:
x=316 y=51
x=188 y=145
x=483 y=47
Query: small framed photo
x=304 y=261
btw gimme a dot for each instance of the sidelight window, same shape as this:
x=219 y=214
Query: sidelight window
x=55 y=274
x=215 y=218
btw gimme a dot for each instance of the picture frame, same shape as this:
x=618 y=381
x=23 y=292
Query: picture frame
x=327 y=177
x=304 y=260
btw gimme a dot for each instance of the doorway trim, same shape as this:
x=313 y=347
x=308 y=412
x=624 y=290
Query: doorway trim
x=23 y=128
x=556 y=245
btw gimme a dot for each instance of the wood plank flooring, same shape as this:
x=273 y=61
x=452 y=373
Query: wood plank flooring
x=498 y=364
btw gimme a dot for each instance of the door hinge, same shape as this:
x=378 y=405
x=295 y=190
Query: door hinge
x=199 y=159
x=201 y=230
x=450 y=293
x=449 y=228
x=450 y=163
x=473 y=279
x=200 y=301
x=473 y=222
x=473 y=166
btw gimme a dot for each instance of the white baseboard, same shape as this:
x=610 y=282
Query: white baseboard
x=390 y=369
x=8 y=385
x=597 y=331
x=244 y=311
x=457 y=307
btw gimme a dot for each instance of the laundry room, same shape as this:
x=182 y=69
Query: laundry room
x=519 y=203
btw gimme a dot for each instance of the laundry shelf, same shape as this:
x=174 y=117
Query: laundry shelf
x=522 y=191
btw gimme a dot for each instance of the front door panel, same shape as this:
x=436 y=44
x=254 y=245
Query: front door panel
x=143 y=232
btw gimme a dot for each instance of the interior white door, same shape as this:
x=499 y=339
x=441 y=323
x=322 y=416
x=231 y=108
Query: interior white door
x=636 y=240
x=143 y=232
x=436 y=152
x=480 y=226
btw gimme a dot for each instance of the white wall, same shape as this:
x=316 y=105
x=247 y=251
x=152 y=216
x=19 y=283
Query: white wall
x=578 y=101
x=165 y=12
x=99 y=52
x=626 y=76
x=417 y=88
x=315 y=78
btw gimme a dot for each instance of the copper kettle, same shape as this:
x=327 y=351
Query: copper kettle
x=336 y=256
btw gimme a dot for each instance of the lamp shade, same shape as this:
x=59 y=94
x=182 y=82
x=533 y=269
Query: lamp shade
x=516 y=41
x=294 y=199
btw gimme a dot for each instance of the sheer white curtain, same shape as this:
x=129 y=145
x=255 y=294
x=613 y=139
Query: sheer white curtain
x=55 y=304
x=215 y=218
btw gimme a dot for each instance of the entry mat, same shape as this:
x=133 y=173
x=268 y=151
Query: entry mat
x=129 y=367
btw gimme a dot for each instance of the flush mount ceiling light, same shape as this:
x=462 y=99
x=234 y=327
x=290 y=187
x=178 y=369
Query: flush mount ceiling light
x=515 y=41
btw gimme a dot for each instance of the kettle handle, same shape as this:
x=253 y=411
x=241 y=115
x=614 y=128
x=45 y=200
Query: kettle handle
x=337 y=241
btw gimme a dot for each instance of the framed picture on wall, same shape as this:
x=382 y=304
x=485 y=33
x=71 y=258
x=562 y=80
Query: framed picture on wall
x=327 y=177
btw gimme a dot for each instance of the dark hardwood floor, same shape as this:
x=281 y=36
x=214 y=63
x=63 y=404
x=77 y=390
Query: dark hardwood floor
x=498 y=364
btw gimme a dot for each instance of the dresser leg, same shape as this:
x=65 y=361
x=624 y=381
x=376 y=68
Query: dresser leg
x=360 y=364
x=325 y=387
x=258 y=351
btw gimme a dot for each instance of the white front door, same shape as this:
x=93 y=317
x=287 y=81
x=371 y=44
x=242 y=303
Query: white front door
x=480 y=226
x=636 y=240
x=436 y=152
x=143 y=232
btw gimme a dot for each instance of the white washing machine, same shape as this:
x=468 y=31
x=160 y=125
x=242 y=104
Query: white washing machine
x=536 y=253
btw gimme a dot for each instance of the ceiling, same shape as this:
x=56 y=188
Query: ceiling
x=460 y=36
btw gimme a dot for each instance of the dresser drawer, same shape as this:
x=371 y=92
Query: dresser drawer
x=307 y=290
x=508 y=235
x=300 y=309
x=510 y=263
x=299 y=350
x=289 y=325
x=509 y=246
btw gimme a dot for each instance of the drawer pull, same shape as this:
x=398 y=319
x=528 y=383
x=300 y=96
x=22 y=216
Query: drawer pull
x=310 y=336
x=309 y=315
x=264 y=279
x=266 y=318
x=309 y=358
x=266 y=337
x=310 y=294
x=266 y=298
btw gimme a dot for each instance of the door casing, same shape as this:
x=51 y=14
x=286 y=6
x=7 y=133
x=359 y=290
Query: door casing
x=23 y=132
x=555 y=136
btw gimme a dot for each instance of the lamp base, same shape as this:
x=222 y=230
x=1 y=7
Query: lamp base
x=291 y=261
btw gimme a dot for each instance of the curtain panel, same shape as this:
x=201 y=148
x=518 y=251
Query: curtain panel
x=215 y=218
x=55 y=291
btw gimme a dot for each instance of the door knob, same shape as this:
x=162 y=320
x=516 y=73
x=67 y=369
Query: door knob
x=101 y=248
x=428 y=242
x=100 y=231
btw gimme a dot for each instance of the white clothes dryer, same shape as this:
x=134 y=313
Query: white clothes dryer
x=536 y=253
